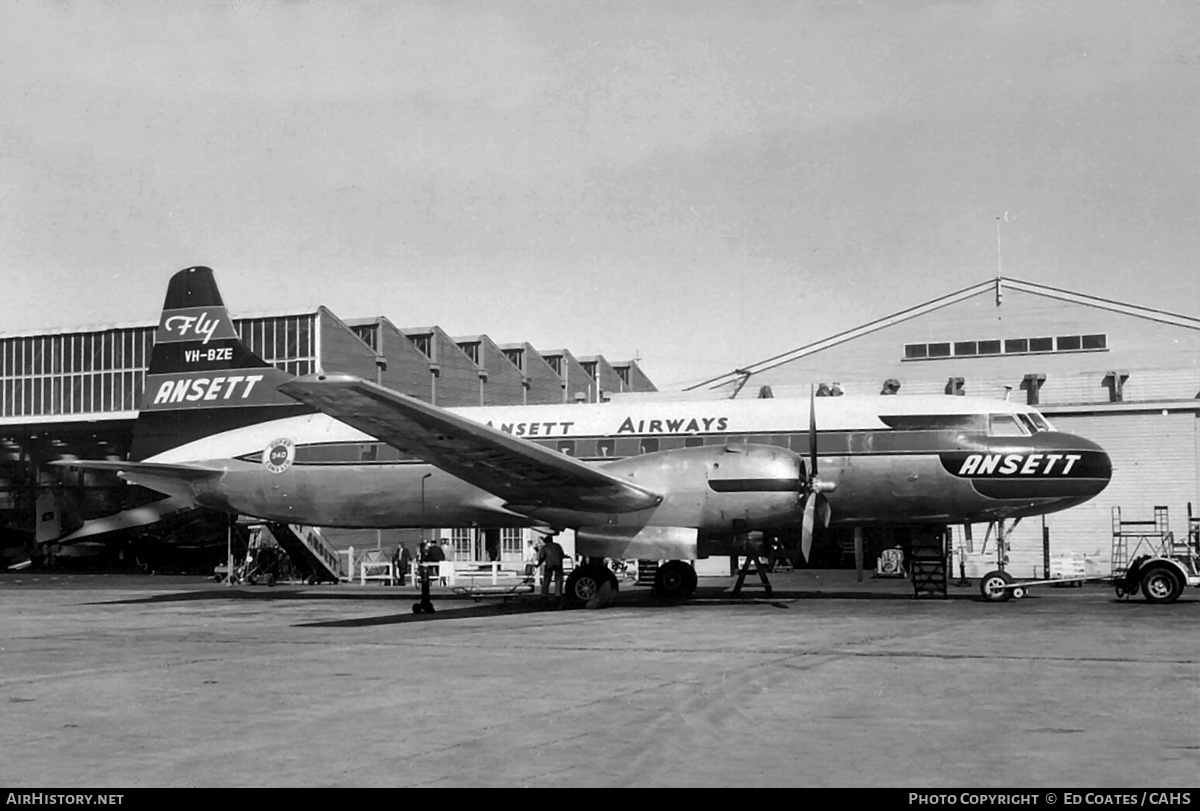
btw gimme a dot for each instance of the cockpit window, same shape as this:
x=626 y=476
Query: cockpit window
x=1028 y=423
x=1040 y=422
x=1004 y=425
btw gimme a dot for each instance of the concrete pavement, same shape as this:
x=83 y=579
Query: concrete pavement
x=119 y=681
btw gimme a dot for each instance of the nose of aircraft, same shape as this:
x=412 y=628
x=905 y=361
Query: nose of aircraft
x=1050 y=470
x=1092 y=472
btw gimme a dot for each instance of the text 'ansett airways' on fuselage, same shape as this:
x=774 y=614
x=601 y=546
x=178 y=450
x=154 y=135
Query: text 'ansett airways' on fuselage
x=695 y=425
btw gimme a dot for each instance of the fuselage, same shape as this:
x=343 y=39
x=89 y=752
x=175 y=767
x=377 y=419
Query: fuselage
x=898 y=459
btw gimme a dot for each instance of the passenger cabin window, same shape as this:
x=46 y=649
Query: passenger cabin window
x=566 y=446
x=693 y=442
x=606 y=447
x=1004 y=425
x=648 y=445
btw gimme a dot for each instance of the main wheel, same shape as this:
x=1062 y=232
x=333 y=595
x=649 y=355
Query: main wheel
x=584 y=582
x=1160 y=584
x=675 y=580
x=994 y=586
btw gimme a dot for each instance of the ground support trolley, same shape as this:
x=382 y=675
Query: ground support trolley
x=999 y=585
x=1146 y=557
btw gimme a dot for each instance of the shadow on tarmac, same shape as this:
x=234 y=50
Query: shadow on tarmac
x=629 y=598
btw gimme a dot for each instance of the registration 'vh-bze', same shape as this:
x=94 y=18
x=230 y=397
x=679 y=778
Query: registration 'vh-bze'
x=668 y=481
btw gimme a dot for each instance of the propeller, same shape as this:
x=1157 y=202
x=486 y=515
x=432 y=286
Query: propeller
x=815 y=503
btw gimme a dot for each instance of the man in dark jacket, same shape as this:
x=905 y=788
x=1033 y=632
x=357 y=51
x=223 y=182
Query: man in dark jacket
x=551 y=556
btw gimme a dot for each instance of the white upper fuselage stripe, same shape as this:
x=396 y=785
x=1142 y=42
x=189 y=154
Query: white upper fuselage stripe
x=711 y=417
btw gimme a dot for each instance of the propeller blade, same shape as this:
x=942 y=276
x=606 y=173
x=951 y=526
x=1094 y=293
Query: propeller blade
x=812 y=433
x=823 y=510
x=806 y=528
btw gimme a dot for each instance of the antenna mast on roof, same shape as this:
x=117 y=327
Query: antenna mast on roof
x=999 y=265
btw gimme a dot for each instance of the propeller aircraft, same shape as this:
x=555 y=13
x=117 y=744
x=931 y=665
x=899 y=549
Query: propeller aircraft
x=662 y=480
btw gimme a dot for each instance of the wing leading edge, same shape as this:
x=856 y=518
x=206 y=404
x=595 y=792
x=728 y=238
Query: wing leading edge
x=514 y=469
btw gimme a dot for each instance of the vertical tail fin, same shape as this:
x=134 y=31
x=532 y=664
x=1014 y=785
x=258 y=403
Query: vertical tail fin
x=202 y=378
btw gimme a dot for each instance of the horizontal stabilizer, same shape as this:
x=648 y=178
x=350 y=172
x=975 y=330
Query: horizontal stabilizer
x=129 y=519
x=173 y=480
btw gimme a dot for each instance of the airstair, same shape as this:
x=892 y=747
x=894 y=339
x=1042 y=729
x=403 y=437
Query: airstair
x=927 y=563
x=311 y=555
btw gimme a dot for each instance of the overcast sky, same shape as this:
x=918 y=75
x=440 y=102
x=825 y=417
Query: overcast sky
x=703 y=184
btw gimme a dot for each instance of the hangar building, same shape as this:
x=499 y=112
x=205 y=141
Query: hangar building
x=1120 y=374
x=75 y=393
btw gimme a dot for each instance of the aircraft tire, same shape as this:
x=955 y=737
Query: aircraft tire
x=992 y=586
x=675 y=580
x=584 y=583
x=1161 y=585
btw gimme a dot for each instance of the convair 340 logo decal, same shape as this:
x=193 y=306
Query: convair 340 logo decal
x=1079 y=464
x=279 y=455
x=195 y=324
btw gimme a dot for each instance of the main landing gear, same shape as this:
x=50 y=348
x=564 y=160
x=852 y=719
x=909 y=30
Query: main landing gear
x=585 y=581
x=675 y=580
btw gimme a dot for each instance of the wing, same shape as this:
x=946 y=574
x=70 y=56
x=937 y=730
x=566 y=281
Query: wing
x=519 y=471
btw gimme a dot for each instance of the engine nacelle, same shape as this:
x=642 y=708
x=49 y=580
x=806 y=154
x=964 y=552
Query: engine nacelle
x=721 y=489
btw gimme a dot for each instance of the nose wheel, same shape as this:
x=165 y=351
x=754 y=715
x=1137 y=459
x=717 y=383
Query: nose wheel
x=994 y=586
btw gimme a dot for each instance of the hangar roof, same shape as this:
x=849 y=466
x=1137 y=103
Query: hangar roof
x=999 y=285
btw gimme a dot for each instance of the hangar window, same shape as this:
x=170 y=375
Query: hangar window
x=1067 y=343
x=939 y=350
x=424 y=343
x=463 y=541
x=1095 y=341
x=916 y=351
x=1041 y=344
x=965 y=348
x=510 y=540
x=1016 y=346
x=989 y=347
x=516 y=357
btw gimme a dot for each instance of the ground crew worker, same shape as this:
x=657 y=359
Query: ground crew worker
x=551 y=556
